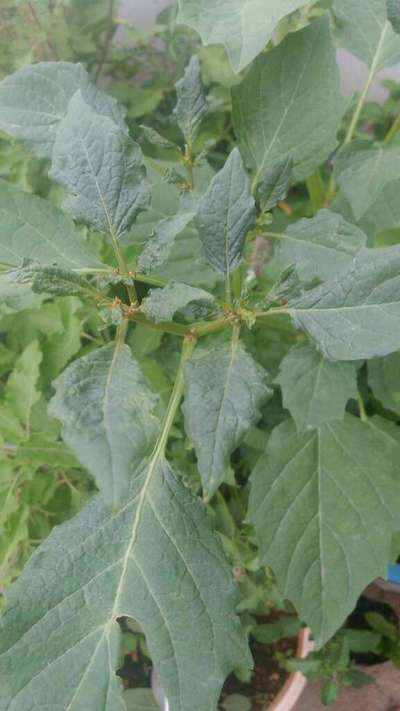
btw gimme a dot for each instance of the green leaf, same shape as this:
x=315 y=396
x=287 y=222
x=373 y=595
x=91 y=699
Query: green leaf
x=225 y=215
x=225 y=390
x=236 y=702
x=101 y=168
x=324 y=505
x=363 y=171
x=275 y=182
x=66 y=343
x=50 y=280
x=363 y=29
x=106 y=410
x=163 y=304
x=14 y=294
x=21 y=391
x=315 y=390
x=140 y=700
x=298 y=115
x=36 y=98
x=320 y=247
x=157 y=561
x=191 y=106
x=244 y=27
x=384 y=379
x=159 y=247
x=33 y=228
x=355 y=315
x=329 y=692
x=393 y=12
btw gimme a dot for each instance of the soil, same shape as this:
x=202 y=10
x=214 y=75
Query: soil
x=268 y=677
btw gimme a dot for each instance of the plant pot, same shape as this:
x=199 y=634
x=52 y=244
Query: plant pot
x=288 y=695
x=294 y=685
x=392 y=582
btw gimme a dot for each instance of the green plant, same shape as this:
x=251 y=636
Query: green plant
x=166 y=254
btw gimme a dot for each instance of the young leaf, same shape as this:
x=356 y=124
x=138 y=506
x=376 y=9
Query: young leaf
x=363 y=29
x=383 y=377
x=158 y=248
x=225 y=390
x=163 y=304
x=191 y=105
x=244 y=27
x=106 y=410
x=50 y=280
x=335 y=492
x=315 y=390
x=156 y=560
x=36 y=97
x=274 y=185
x=363 y=171
x=21 y=391
x=33 y=228
x=320 y=247
x=393 y=12
x=226 y=213
x=355 y=315
x=101 y=167
x=282 y=108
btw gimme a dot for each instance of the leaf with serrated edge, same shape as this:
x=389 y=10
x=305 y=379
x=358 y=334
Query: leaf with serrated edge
x=191 y=106
x=226 y=213
x=335 y=493
x=244 y=27
x=384 y=379
x=157 y=561
x=225 y=390
x=315 y=390
x=363 y=28
x=355 y=315
x=36 y=97
x=101 y=168
x=159 y=246
x=320 y=246
x=33 y=228
x=106 y=410
x=162 y=304
x=297 y=115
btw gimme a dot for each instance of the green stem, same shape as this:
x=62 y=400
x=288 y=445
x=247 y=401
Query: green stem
x=273 y=312
x=121 y=331
x=364 y=93
x=316 y=190
x=228 y=292
x=176 y=395
x=393 y=131
x=237 y=284
x=361 y=409
x=188 y=160
x=123 y=269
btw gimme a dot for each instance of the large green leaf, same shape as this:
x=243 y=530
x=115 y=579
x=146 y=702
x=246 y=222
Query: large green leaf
x=159 y=247
x=355 y=315
x=393 y=11
x=226 y=213
x=319 y=247
x=35 y=99
x=225 y=389
x=282 y=107
x=33 y=228
x=325 y=505
x=243 y=26
x=363 y=172
x=156 y=560
x=364 y=29
x=315 y=390
x=140 y=700
x=384 y=379
x=191 y=105
x=106 y=410
x=101 y=167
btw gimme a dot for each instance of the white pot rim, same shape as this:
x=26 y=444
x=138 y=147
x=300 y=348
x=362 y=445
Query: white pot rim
x=296 y=682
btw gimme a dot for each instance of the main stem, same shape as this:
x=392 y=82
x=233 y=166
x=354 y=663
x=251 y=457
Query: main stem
x=123 y=269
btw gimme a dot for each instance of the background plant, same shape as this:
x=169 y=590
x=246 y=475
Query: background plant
x=181 y=269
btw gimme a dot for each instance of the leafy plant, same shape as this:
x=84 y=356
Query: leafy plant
x=277 y=458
